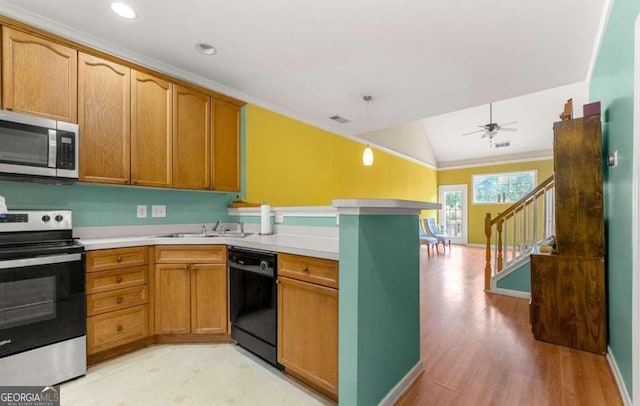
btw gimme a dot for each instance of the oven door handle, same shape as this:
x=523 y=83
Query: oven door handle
x=52 y=259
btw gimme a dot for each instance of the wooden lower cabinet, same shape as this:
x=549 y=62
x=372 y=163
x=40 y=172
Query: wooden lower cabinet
x=191 y=297
x=568 y=301
x=118 y=301
x=172 y=300
x=308 y=333
x=208 y=299
x=113 y=329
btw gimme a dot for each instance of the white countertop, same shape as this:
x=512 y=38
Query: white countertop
x=319 y=247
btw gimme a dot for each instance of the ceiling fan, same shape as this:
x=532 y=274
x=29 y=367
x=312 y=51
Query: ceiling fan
x=491 y=130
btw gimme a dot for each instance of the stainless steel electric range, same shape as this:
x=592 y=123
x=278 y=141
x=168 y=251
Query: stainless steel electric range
x=42 y=299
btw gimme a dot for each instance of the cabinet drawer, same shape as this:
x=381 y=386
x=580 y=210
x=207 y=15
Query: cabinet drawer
x=116 y=328
x=117 y=300
x=314 y=270
x=103 y=260
x=189 y=254
x=117 y=279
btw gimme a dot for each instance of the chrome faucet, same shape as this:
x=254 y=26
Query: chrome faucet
x=204 y=229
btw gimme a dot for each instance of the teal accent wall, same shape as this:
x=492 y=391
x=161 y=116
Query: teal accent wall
x=379 y=305
x=98 y=205
x=612 y=84
x=519 y=280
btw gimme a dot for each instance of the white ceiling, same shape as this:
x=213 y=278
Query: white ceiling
x=535 y=114
x=311 y=60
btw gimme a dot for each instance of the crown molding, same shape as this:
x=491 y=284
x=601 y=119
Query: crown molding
x=543 y=155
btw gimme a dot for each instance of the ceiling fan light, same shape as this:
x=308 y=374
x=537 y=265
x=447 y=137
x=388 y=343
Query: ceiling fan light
x=367 y=156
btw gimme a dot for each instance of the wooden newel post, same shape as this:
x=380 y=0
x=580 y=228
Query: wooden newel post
x=487 y=266
x=499 y=259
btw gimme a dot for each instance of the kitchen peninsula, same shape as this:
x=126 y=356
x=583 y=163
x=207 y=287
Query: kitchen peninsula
x=378 y=287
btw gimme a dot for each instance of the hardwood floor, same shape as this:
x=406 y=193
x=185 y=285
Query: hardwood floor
x=478 y=349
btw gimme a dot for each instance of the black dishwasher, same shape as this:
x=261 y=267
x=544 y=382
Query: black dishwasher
x=254 y=298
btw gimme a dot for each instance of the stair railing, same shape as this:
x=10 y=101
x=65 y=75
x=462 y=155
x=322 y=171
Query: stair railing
x=516 y=230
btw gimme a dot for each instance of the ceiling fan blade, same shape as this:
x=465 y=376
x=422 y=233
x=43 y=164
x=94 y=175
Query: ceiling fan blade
x=509 y=123
x=474 y=132
x=508 y=129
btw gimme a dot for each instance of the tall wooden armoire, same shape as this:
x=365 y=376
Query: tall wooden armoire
x=568 y=294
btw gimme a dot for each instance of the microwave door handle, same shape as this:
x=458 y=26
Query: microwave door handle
x=53 y=150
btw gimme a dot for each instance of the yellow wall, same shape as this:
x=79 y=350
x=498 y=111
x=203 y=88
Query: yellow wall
x=290 y=163
x=477 y=212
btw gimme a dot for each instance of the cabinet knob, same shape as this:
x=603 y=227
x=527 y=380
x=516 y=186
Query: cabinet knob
x=119 y=327
x=119 y=300
x=119 y=279
x=305 y=270
x=119 y=259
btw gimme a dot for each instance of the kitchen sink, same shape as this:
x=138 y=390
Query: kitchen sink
x=228 y=234
x=186 y=235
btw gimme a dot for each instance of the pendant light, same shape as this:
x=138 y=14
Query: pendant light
x=367 y=155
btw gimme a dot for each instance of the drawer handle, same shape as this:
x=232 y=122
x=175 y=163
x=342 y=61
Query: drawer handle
x=119 y=259
x=119 y=279
x=120 y=327
x=119 y=300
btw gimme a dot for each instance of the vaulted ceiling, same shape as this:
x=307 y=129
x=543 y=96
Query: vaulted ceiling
x=312 y=60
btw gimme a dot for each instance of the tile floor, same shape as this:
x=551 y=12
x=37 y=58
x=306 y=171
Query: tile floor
x=190 y=374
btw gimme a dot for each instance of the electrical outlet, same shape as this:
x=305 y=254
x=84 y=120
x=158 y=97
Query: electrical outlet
x=158 y=211
x=141 y=211
x=279 y=218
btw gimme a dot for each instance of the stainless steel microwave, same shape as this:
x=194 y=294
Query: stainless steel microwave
x=37 y=149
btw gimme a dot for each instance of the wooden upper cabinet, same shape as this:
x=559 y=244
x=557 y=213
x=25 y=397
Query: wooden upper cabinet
x=191 y=139
x=226 y=146
x=151 y=141
x=104 y=93
x=39 y=76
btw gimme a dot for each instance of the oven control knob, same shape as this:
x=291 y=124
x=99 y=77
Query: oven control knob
x=46 y=218
x=59 y=218
x=264 y=265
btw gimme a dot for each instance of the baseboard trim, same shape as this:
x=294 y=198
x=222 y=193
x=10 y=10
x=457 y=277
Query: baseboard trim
x=510 y=292
x=622 y=388
x=405 y=383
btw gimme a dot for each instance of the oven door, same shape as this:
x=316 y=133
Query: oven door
x=42 y=301
x=253 y=302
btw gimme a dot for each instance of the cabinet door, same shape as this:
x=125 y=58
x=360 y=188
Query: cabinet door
x=208 y=299
x=172 y=303
x=104 y=90
x=39 y=76
x=226 y=146
x=191 y=139
x=150 y=130
x=308 y=333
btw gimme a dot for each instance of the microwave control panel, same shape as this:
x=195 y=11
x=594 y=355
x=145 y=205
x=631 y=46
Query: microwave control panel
x=66 y=157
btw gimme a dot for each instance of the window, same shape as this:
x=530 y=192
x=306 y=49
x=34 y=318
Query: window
x=502 y=187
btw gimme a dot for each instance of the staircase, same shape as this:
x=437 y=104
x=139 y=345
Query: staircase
x=512 y=235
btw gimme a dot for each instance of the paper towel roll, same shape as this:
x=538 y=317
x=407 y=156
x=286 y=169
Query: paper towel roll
x=3 y=205
x=265 y=219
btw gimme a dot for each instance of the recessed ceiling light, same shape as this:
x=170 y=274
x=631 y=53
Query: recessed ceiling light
x=123 y=10
x=206 y=49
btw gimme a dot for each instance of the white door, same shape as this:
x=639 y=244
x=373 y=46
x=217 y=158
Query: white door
x=453 y=215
